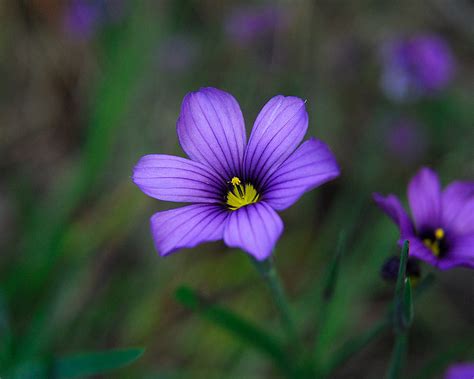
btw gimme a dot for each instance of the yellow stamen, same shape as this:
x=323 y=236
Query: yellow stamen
x=434 y=245
x=439 y=234
x=241 y=194
x=235 y=181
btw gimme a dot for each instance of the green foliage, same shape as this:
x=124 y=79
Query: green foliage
x=76 y=366
x=242 y=329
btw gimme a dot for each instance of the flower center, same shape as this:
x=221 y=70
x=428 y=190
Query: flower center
x=241 y=195
x=436 y=242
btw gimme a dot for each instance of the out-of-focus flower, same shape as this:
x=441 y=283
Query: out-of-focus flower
x=177 y=53
x=83 y=18
x=416 y=66
x=244 y=25
x=442 y=230
x=460 y=371
x=235 y=186
x=405 y=140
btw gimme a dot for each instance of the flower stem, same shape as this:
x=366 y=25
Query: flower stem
x=269 y=274
x=398 y=356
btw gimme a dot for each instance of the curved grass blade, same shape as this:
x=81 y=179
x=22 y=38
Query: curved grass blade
x=398 y=357
x=356 y=344
x=80 y=365
x=237 y=326
x=402 y=316
x=77 y=365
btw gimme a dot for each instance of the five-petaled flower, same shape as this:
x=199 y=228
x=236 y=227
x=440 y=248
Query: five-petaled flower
x=442 y=231
x=236 y=186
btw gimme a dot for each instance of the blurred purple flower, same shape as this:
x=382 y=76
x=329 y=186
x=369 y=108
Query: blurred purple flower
x=442 y=230
x=235 y=186
x=82 y=18
x=416 y=66
x=245 y=24
x=405 y=140
x=460 y=371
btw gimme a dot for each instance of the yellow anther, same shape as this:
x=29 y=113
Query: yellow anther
x=235 y=181
x=439 y=234
x=433 y=246
x=241 y=194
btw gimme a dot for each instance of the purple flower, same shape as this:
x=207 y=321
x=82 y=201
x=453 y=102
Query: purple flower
x=442 y=230
x=421 y=65
x=245 y=24
x=83 y=18
x=236 y=186
x=460 y=371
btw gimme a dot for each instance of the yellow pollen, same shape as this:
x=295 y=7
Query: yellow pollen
x=241 y=194
x=235 y=181
x=434 y=245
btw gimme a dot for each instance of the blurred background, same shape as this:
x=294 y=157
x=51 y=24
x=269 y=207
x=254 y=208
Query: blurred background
x=88 y=87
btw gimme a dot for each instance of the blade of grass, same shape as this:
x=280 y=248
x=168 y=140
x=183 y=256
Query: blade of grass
x=356 y=344
x=329 y=286
x=401 y=317
x=77 y=365
x=398 y=357
x=238 y=327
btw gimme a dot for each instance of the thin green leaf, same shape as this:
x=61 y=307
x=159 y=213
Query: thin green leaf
x=234 y=324
x=398 y=357
x=329 y=284
x=408 y=309
x=402 y=270
x=86 y=364
x=398 y=301
x=325 y=308
x=354 y=345
x=76 y=366
x=357 y=343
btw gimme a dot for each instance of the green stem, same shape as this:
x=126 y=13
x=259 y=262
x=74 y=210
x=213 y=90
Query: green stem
x=355 y=345
x=402 y=316
x=329 y=287
x=398 y=356
x=269 y=274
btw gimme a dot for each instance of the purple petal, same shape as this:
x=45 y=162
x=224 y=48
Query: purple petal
x=461 y=253
x=311 y=165
x=418 y=250
x=394 y=209
x=458 y=207
x=460 y=371
x=171 y=178
x=211 y=130
x=278 y=130
x=187 y=227
x=254 y=228
x=424 y=196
